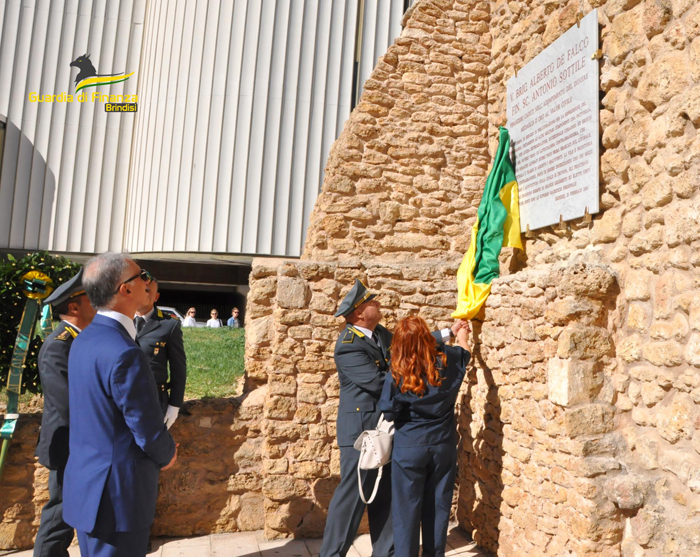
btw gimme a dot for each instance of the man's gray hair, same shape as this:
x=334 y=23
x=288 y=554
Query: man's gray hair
x=103 y=276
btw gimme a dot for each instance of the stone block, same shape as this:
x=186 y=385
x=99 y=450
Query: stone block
x=607 y=229
x=665 y=78
x=258 y=333
x=292 y=293
x=589 y=419
x=593 y=466
x=667 y=353
x=638 y=317
x=676 y=419
x=283 y=488
x=692 y=350
x=682 y=222
x=280 y=407
x=572 y=381
x=585 y=343
x=627 y=491
x=630 y=349
x=646 y=451
x=582 y=279
x=562 y=312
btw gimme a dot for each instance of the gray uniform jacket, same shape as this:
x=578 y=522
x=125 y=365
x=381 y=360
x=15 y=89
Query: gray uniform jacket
x=52 y=448
x=161 y=342
x=362 y=366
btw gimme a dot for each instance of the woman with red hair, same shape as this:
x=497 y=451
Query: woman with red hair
x=419 y=396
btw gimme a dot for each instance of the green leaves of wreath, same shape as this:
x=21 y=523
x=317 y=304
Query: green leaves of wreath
x=12 y=302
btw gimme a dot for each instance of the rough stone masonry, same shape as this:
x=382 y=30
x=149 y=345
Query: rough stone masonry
x=578 y=421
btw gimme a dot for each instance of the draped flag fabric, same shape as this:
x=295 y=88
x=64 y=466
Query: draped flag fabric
x=497 y=224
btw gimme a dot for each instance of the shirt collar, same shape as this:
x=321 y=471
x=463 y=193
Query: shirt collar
x=149 y=314
x=125 y=322
x=71 y=325
x=363 y=330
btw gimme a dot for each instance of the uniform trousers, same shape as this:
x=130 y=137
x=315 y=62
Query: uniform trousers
x=423 y=479
x=54 y=535
x=346 y=510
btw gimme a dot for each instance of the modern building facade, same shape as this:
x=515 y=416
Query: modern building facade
x=238 y=103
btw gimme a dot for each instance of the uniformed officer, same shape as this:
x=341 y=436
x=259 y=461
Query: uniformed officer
x=160 y=338
x=70 y=303
x=362 y=360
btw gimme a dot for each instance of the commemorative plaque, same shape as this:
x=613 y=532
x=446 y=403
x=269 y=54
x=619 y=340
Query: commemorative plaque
x=553 y=123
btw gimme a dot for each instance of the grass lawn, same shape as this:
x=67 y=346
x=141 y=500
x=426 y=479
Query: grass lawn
x=215 y=361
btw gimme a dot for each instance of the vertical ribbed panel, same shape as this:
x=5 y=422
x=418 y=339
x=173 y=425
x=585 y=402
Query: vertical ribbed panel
x=239 y=106
x=65 y=165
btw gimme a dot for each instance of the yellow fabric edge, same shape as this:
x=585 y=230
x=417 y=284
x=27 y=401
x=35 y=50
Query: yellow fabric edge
x=471 y=296
x=511 y=227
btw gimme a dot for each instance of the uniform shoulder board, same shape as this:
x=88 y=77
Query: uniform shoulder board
x=72 y=332
x=65 y=335
x=349 y=337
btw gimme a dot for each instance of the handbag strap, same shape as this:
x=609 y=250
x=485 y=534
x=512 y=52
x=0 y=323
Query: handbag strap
x=376 y=484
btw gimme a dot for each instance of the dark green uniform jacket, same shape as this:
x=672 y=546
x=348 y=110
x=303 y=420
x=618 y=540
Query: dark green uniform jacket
x=52 y=448
x=161 y=342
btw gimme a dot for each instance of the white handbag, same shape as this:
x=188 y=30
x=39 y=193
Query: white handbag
x=375 y=451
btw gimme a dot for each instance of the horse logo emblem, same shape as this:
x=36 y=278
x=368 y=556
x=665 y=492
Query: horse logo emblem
x=88 y=76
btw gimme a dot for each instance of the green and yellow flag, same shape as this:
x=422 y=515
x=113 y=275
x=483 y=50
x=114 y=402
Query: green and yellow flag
x=497 y=224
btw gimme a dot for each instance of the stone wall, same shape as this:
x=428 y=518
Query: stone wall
x=290 y=339
x=24 y=488
x=405 y=177
x=578 y=430
x=648 y=233
x=217 y=475
x=539 y=450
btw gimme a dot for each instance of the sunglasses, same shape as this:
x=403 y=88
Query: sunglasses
x=146 y=277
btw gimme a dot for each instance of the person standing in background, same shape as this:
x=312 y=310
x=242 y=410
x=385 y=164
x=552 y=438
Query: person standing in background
x=233 y=320
x=71 y=304
x=214 y=322
x=160 y=338
x=189 y=320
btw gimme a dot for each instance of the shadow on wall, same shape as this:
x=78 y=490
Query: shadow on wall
x=27 y=191
x=216 y=483
x=215 y=486
x=480 y=451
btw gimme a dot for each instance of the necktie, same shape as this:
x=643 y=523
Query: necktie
x=139 y=322
x=379 y=342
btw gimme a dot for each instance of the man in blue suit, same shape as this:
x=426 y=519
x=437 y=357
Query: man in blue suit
x=118 y=441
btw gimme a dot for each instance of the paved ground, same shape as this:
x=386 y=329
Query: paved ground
x=253 y=544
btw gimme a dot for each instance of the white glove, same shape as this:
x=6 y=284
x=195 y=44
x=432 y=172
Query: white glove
x=171 y=415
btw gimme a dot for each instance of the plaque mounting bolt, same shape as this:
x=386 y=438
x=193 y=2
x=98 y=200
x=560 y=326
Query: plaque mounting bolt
x=597 y=55
x=587 y=217
x=529 y=234
x=562 y=224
